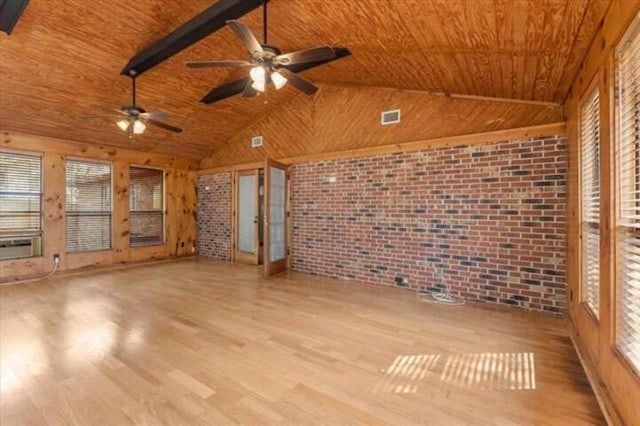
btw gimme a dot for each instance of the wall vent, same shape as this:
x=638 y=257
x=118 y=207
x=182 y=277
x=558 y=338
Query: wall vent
x=256 y=141
x=390 y=117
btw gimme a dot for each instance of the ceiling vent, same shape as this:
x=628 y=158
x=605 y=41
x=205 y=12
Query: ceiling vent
x=390 y=117
x=256 y=141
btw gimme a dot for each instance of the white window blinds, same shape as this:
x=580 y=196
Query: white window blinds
x=146 y=189
x=590 y=199
x=20 y=195
x=88 y=206
x=628 y=223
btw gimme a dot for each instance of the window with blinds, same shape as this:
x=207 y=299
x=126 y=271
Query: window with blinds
x=20 y=194
x=146 y=213
x=590 y=199
x=88 y=206
x=628 y=221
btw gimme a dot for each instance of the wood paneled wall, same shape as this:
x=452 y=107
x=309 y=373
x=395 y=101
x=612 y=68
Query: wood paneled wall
x=617 y=384
x=180 y=213
x=344 y=118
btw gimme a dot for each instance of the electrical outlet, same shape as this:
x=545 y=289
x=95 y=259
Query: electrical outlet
x=193 y=249
x=56 y=258
x=401 y=281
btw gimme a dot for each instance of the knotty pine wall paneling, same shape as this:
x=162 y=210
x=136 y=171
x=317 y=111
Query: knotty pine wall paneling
x=613 y=379
x=347 y=118
x=180 y=206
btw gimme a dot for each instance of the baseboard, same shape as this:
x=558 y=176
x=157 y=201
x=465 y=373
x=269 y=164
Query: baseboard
x=99 y=268
x=602 y=395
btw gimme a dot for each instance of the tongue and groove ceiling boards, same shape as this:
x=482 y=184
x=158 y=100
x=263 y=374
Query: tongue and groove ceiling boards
x=64 y=56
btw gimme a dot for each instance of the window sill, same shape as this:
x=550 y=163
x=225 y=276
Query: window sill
x=75 y=253
x=141 y=246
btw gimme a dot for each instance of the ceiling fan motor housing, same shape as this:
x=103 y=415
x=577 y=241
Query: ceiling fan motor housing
x=270 y=51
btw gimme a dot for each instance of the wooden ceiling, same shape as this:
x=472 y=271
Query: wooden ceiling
x=347 y=118
x=65 y=55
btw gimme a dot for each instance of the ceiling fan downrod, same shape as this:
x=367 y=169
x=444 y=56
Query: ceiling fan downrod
x=133 y=74
x=264 y=20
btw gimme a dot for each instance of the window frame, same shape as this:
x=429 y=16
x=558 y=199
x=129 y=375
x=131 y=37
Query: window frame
x=134 y=193
x=593 y=89
x=620 y=228
x=40 y=232
x=112 y=200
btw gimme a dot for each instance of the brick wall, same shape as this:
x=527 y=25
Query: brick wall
x=490 y=218
x=214 y=216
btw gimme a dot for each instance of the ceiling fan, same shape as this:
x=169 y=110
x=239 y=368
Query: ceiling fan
x=132 y=119
x=268 y=64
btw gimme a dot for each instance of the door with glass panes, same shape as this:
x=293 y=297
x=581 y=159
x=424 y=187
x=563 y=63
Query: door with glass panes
x=276 y=217
x=246 y=213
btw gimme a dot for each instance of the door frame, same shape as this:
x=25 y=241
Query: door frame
x=238 y=256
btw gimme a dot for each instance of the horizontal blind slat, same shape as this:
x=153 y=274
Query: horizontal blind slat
x=146 y=192
x=20 y=194
x=590 y=198
x=628 y=178
x=88 y=206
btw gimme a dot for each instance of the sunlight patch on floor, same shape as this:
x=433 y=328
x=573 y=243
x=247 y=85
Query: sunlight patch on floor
x=482 y=371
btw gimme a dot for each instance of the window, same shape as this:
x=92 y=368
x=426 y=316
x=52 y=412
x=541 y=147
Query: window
x=88 y=206
x=590 y=199
x=146 y=189
x=20 y=205
x=628 y=220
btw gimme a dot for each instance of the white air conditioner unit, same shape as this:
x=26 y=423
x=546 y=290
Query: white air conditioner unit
x=20 y=247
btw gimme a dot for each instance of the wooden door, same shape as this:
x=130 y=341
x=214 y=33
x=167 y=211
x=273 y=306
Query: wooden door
x=246 y=244
x=276 y=215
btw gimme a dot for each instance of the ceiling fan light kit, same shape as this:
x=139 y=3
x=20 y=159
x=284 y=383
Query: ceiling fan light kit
x=268 y=64
x=123 y=124
x=138 y=127
x=278 y=80
x=135 y=119
x=257 y=74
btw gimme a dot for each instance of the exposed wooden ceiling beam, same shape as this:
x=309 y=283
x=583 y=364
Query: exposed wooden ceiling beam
x=207 y=22
x=10 y=12
x=236 y=87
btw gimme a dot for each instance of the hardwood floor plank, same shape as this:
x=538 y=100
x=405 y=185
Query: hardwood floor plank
x=201 y=342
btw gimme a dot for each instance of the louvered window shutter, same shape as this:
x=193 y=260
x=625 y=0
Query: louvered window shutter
x=88 y=206
x=146 y=192
x=20 y=195
x=628 y=180
x=590 y=196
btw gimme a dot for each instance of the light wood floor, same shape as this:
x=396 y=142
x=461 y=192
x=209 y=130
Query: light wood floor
x=199 y=342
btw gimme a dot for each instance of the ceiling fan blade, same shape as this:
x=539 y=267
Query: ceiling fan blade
x=226 y=90
x=235 y=87
x=156 y=115
x=100 y=117
x=244 y=33
x=212 y=64
x=108 y=108
x=249 y=92
x=162 y=125
x=308 y=55
x=298 y=82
